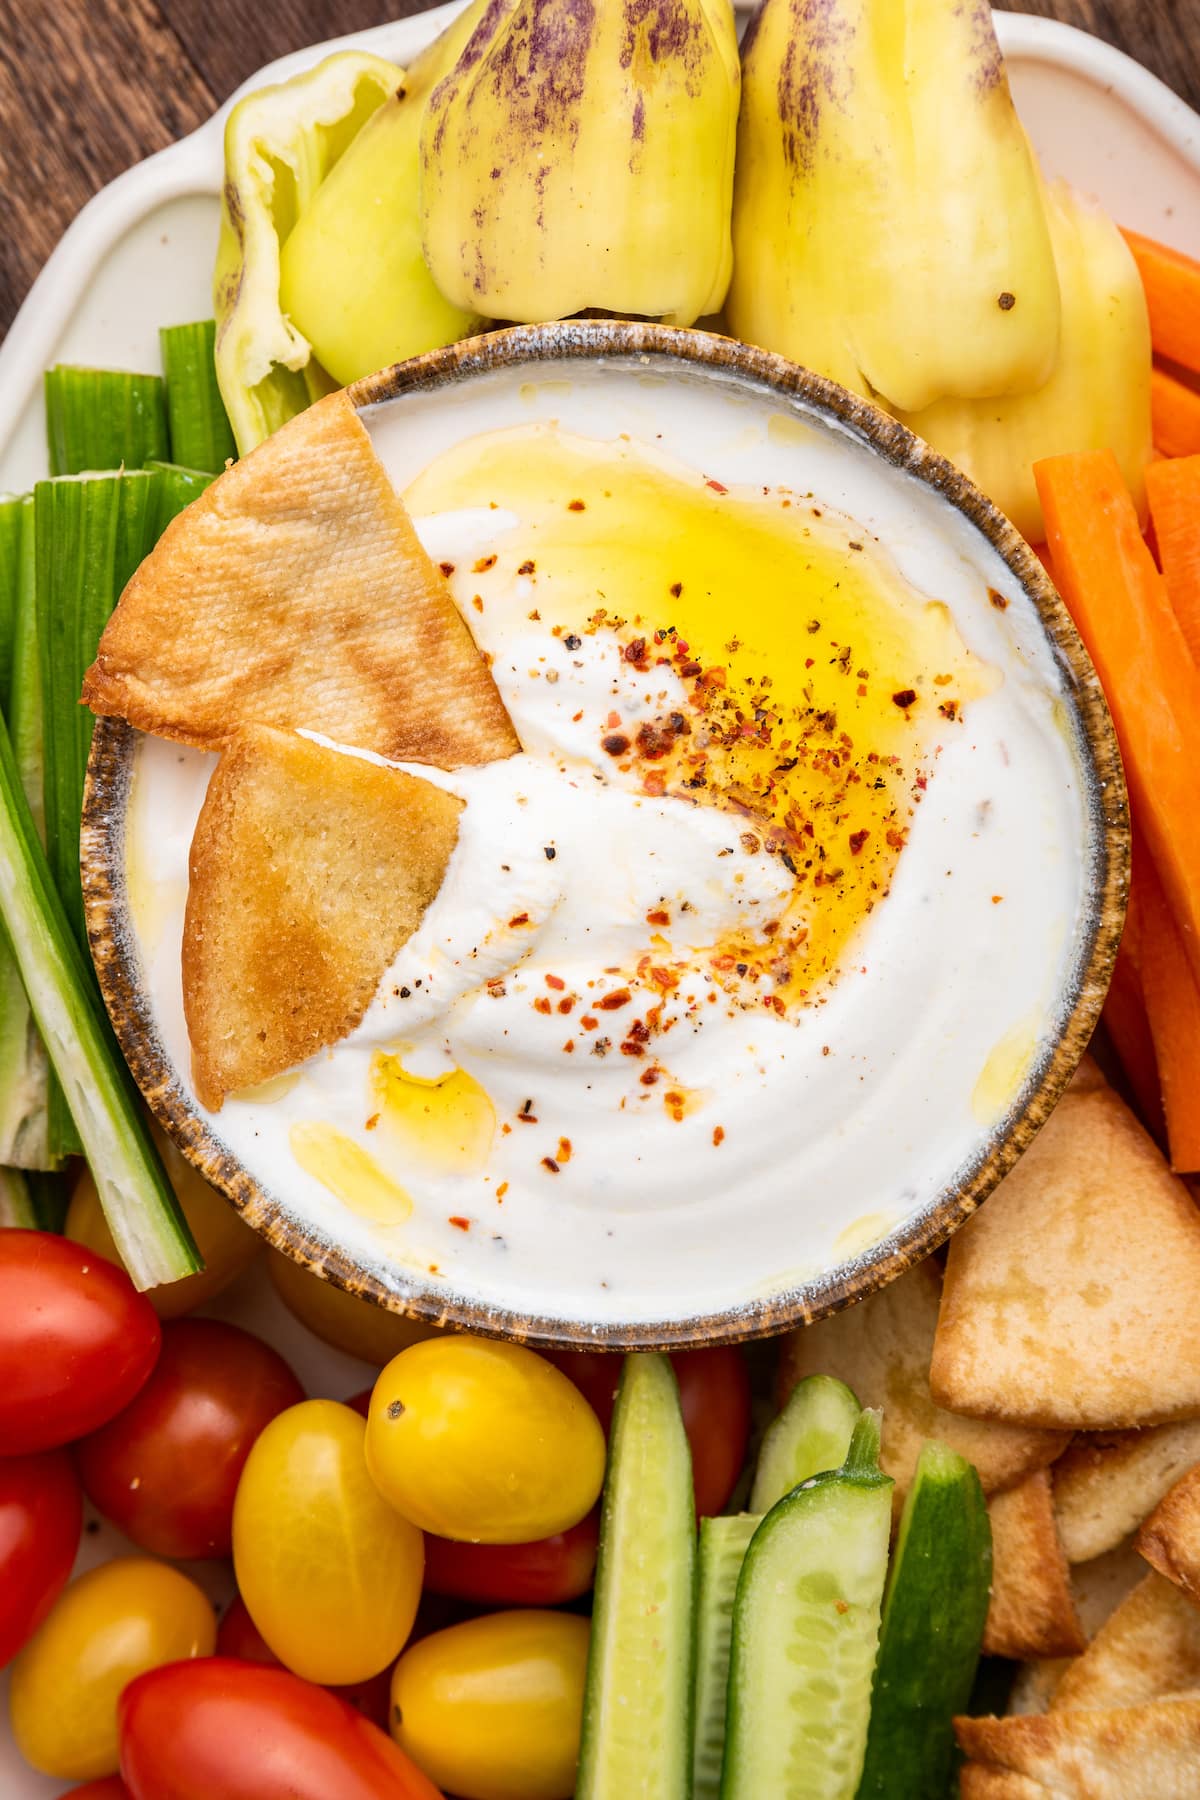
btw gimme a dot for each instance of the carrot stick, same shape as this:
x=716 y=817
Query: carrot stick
x=1173 y=489
x=1128 y=1026
x=1174 y=415
x=1172 y=997
x=1118 y=600
x=1172 y=284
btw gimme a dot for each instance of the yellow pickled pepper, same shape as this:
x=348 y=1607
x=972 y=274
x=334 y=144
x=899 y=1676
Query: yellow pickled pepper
x=353 y=272
x=1098 y=397
x=889 y=228
x=580 y=156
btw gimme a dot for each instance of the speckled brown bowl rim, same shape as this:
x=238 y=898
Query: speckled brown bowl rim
x=1105 y=885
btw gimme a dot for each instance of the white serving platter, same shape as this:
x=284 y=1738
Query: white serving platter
x=140 y=255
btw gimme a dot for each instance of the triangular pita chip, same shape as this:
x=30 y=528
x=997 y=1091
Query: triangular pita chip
x=978 y=1783
x=1149 y=1752
x=1170 y=1538
x=1149 y=1648
x=1106 y=1483
x=881 y=1349
x=1032 y=1612
x=309 y=870
x=1101 y=1585
x=1070 y=1298
x=295 y=593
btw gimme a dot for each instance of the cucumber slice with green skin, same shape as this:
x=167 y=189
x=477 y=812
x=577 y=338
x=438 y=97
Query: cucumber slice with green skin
x=811 y=1434
x=933 y=1619
x=805 y=1631
x=637 y=1710
x=723 y=1546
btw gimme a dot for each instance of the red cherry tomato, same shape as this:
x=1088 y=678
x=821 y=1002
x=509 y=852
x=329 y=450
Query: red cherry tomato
x=545 y=1573
x=77 y=1341
x=714 y=1392
x=216 y=1729
x=238 y=1636
x=166 y=1469
x=109 y=1787
x=41 y=1512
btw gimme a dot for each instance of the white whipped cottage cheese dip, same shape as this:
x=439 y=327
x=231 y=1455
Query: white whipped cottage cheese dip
x=576 y=1093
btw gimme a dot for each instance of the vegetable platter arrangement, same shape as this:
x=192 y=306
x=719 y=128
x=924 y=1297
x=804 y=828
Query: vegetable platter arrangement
x=502 y=1575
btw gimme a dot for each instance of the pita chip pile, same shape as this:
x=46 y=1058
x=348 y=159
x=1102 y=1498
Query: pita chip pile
x=1059 y=1350
x=295 y=597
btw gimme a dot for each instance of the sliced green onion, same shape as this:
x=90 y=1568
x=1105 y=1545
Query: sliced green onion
x=32 y=1199
x=25 y=1137
x=201 y=435
x=148 y=1228
x=178 y=487
x=92 y=532
x=16 y=1204
x=103 y=419
x=10 y=574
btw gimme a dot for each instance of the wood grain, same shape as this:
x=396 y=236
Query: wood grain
x=88 y=87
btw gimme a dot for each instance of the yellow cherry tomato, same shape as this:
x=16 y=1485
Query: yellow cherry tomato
x=224 y=1241
x=109 y=1626
x=491 y=1710
x=358 y=1327
x=483 y=1441
x=330 y=1573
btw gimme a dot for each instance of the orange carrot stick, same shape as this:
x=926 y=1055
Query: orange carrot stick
x=1172 y=997
x=1174 y=415
x=1173 y=489
x=1128 y=1026
x=1118 y=600
x=1172 y=284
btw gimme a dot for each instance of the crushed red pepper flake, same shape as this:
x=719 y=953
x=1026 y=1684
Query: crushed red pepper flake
x=548 y=1162
x=718 y=1135
x=556 y=982
x=564 y=1150
x=459 y=1223
x=610 y=1002
x=502 y=1190
x=518 y=919
x=447 y=569
x=567 y=1005
x=527 y=568
x=484 y=564
x=576 y=506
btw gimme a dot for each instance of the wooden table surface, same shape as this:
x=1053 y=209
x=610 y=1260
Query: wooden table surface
x=88 y=87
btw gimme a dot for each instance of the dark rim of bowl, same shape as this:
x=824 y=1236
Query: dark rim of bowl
x=114 y=946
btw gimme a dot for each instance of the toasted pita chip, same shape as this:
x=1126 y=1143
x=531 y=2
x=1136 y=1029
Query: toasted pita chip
x=1070 y=1298
x=1170 y=1538
x=295 y=593
x=1098 y=1587
x=309 y=870
x=881 y=1349
x=1149 y=1752
x=1106 y=1483
x=1035 y=1684
x=1149 y=1648
x=1101 y=1585
x=1032 y=1612
x=978 y=1783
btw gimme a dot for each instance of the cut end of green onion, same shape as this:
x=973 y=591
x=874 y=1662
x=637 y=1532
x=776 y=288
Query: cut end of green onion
x=201 y=435
x=103 y=419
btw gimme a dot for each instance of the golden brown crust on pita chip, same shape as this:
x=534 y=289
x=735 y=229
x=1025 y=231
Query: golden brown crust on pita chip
x=881 y=1348
x=1070 y=1298
x=1170 y=1538
x=978 y=1783
x=1101 y=1585
x=1032 y=1612
x=1147 y=1752
x=1149 y=1648
x=309 y=870
x=295 y=593
x=1106 y=1483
